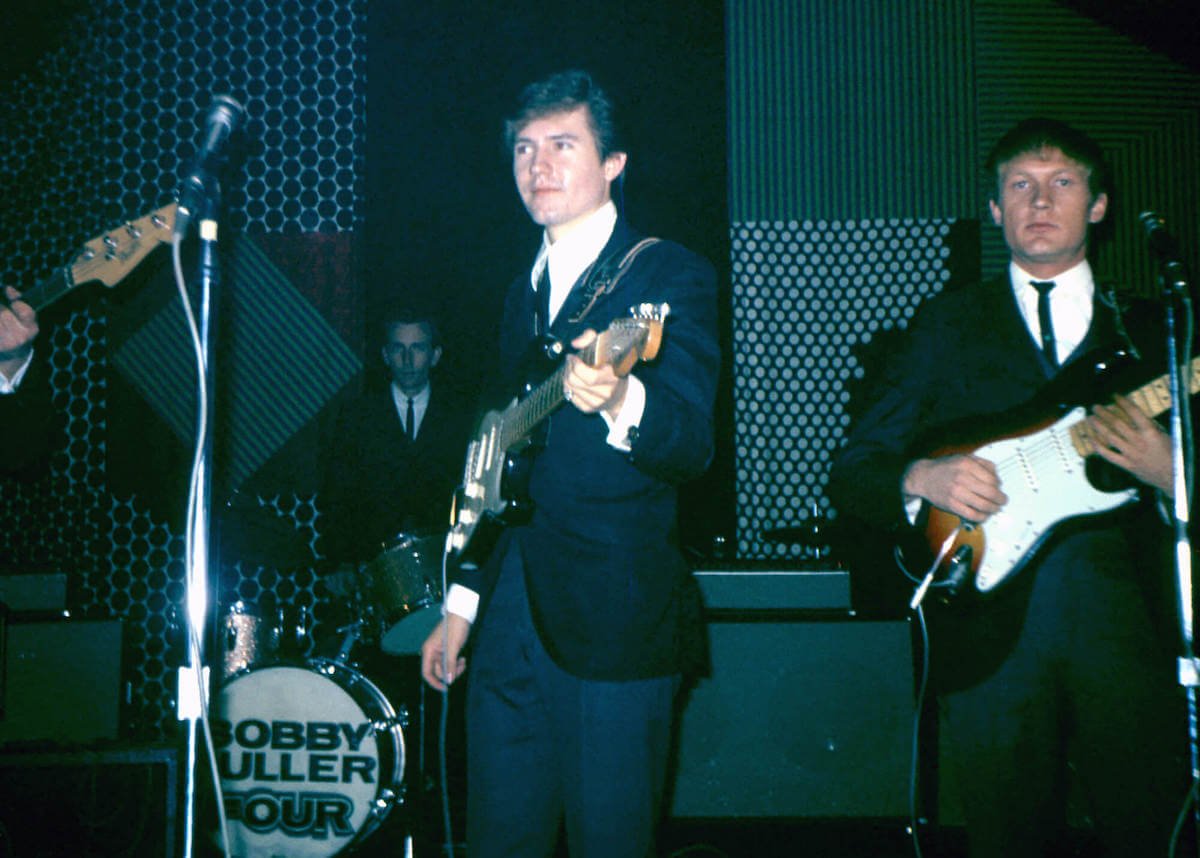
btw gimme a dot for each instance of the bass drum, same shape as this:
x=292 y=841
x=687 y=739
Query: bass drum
x=310 y=756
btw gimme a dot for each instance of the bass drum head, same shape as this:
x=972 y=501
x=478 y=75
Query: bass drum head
x=311 y=759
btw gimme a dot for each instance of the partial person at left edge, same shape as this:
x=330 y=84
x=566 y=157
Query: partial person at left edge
x=26 y=408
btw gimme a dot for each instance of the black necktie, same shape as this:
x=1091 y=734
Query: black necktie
x=410 y=421
x=1047 y=326
x=542 y=310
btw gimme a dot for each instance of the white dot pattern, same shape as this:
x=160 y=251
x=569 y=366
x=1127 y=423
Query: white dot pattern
x=805 y=293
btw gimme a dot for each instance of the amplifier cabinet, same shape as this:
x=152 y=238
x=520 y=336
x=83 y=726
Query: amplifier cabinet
x=806 y=714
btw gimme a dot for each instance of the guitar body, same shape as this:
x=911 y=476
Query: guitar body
x=1047 y=483
x=1047 y=470
x=494 y=492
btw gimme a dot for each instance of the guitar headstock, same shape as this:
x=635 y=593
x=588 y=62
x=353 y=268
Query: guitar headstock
x=110 y=257
x=632 y=338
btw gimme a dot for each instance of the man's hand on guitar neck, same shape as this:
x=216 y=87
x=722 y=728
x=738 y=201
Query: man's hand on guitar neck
x=593 y=388
x=1123 y=435
x=962 y=484
x=18 y=327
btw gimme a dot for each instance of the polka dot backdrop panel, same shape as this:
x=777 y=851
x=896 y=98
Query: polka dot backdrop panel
x=805 y=295
x=295 y=65
x=106 y=127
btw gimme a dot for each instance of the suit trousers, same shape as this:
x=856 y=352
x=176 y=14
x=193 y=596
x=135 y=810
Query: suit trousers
x=546 y=748
x=1087 y=693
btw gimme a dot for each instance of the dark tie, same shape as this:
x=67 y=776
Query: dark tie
x=410 y=421
x=542 y=321
x=1047 y=326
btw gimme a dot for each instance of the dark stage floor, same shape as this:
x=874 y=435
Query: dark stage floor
x=846 y=838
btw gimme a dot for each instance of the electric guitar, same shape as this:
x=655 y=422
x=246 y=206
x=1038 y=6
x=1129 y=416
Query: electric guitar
x=483 y=504
x=1043 y=470
x=107 y=258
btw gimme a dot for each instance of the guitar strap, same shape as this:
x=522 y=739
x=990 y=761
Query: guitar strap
x=606 y=273
x=1106 y=294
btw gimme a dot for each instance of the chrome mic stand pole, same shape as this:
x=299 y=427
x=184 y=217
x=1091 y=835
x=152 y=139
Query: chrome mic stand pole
x=1175 y=289
x=194 y=678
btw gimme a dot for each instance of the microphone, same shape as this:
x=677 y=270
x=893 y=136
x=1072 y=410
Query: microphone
x=1164 y=246
x=222 y=120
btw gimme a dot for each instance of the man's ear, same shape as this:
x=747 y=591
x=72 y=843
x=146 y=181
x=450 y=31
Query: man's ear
x=997 y=214
x=614 y=164
x=1099 y=209
x=437 y=356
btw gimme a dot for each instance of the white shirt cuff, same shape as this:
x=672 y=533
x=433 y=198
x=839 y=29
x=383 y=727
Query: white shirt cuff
x=8 y=385
x=462 y=601
x=629 y=416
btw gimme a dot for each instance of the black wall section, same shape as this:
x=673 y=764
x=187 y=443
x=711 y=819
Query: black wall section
x=444 y=226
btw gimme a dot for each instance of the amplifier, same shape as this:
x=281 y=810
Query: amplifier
x=758 y=589
x=61 y=681
x=34 y=592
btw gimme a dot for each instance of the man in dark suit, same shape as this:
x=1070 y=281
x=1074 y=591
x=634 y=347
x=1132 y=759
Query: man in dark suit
x=585 y=619
x=26 y=414
x=397 y=453
x=1068 y=665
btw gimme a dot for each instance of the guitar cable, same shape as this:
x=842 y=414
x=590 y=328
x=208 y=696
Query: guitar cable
x=918 y=611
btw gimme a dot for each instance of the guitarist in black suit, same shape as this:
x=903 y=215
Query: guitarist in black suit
x=1070 y=665
x=584 y=620
x=26 y=414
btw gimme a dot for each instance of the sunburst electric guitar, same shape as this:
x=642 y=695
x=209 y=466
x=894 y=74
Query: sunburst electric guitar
x=107 y=258
x=1043 y=470
x=484 y=505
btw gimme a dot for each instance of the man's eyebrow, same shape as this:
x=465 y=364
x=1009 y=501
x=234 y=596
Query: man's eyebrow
x=561 y=135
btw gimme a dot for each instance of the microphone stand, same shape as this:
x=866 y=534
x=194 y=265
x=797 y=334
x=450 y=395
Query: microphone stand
x=194 y=678
x=1176 y=290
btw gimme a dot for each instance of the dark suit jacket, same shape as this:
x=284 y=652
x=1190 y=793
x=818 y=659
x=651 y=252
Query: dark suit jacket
x=609 y=591
x=378 y=484
x=29 y=429
x=969 y=358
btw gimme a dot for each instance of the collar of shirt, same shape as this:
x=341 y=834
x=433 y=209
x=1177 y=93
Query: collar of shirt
x=1070 y=305
x=10 y=385
x=420 y=404
x=570 y=256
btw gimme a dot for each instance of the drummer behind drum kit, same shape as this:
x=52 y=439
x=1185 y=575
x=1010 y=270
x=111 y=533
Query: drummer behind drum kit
x=310 y=752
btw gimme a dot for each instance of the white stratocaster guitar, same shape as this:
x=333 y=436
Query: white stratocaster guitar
x=1043 y=472
x=485 y=501
x=107 y=258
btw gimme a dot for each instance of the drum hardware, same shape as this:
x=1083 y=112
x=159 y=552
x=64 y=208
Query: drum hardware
x=816 y=536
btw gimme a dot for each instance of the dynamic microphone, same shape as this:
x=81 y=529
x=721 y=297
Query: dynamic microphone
x=223 y=118
x=1163 y=245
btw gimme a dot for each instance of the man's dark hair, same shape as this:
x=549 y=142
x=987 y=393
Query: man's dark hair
x=565 y=91
x=408 y=316
x=1038 y=133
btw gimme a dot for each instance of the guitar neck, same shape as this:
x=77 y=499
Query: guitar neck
x=520 y=419
x=49 y=290
x=1152 y=398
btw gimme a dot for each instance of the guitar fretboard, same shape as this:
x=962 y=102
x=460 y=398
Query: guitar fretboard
x=519 y=420
x=1152 y=398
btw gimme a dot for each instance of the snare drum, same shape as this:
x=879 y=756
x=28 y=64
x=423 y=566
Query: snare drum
x=403 y=586
x=246 y=638
x=310 y=756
